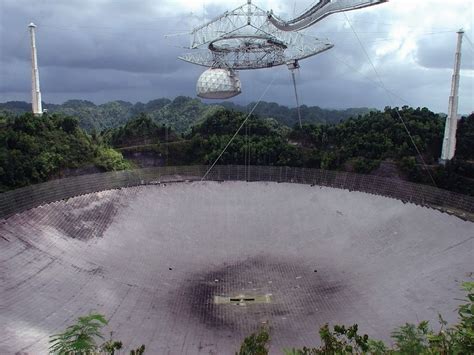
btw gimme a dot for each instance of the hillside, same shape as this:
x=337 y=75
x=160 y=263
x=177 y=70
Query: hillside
x=141 y=130
x=180 y=114
x=374 y=143
x=289 y=116
x=34 y=150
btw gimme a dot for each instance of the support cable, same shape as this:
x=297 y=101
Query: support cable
x=389 y=94
x=238 y=130
x=247 y=140
x=375 y=83
x=296 y=96
x=249 y=132
x=246 y=132
x=468 y=40
x=247 y=151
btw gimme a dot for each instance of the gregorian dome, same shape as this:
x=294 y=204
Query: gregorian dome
x=218 y=83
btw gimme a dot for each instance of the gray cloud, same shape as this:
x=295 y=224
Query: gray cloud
x=438 y=52
x=104 y=50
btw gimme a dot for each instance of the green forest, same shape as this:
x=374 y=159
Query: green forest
x=36 y=149
x=180 y=113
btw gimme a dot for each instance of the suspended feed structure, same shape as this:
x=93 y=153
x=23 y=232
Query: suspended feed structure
x=252 y=38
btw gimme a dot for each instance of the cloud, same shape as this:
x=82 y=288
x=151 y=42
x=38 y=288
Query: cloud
x=103 y=50
x=439 y=52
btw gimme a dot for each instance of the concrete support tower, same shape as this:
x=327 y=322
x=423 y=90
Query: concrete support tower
x=449 y=141
x=35 y=83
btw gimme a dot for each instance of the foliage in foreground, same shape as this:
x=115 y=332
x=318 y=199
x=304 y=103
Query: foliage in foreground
x=409 y=339
x=256 y=343
x=81 y=338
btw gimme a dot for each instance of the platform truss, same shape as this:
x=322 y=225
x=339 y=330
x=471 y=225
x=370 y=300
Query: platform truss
x=318 y=12
x=245 y=38
x=252 y=38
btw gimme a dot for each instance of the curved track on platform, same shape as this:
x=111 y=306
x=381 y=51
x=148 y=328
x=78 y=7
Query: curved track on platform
x=153 y=258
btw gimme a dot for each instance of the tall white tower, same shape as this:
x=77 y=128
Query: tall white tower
x=35 y=83
x=449 y=141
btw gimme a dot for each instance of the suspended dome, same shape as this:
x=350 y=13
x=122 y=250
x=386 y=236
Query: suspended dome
x=218 y=83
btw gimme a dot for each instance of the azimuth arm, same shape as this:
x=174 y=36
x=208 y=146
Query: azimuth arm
x=319 y=11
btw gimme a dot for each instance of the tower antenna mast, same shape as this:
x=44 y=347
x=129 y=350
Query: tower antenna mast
x=35 y=83
x=449 y=140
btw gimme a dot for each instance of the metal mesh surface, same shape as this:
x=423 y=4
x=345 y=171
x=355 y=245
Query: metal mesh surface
x=19 y=200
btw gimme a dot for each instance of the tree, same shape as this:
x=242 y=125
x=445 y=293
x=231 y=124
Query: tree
x=83 y=336
x=256 y=343
x=465 y=138
x=36 y=149
x=109 y=159
x=80 y=337
x=410 y=339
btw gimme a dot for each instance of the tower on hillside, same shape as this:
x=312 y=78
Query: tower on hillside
x=35 y=83
x=449 y=140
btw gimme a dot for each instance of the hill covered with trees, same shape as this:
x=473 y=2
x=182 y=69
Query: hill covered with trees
x=36 y=149
x=363 y=144
x=180 y=114
x=289 y=116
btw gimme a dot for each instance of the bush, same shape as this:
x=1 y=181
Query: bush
x=35 y=149
x=409 y=339
x=111 y=160
x=365 y=166
x=81 y=338
x=256 y=343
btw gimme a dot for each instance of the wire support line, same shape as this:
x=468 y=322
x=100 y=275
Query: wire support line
x=247 y=143
x=370 y=40
x=296 y=96
x=247 y=137
x=389 y=95
x=375 y=83
x=391 y=24
x=239 y=129
x=468 y=40
x=387 y=33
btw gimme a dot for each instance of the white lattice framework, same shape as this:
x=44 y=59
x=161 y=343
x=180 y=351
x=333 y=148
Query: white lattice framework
x=252 y=38
x=245 y=39
x=319 y=11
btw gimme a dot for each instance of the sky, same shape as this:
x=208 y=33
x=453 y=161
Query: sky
x=104 y=50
